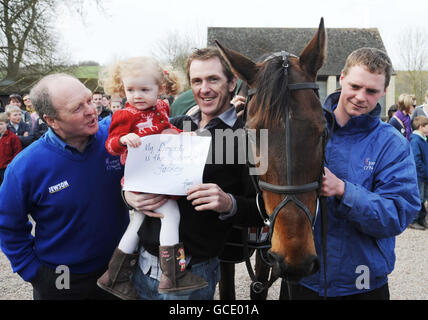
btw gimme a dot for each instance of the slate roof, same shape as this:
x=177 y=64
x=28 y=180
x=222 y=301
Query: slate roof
x=254 y=42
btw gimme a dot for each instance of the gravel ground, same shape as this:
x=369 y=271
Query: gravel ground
x=409 y=280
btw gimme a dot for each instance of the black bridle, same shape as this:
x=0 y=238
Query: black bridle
x=290 y=191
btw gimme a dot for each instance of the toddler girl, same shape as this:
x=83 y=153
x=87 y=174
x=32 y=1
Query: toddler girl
x=141 y=80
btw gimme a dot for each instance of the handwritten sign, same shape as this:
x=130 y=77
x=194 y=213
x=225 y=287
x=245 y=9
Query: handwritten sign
x=166 y=164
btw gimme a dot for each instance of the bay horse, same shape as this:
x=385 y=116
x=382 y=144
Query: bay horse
x=283 y=98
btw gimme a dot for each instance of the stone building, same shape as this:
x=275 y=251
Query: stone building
x=254 y=42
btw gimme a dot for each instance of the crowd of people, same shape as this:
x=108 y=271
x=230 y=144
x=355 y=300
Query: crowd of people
x=74 y=193
x=412 y=122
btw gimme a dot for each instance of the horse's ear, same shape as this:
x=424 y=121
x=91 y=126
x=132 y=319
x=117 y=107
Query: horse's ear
x=313 y=56
x=242 y=66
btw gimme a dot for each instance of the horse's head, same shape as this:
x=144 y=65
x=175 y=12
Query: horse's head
x=296 y=129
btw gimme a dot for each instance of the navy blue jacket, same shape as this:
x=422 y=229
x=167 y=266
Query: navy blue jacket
x=420 y=152
x=22 y=128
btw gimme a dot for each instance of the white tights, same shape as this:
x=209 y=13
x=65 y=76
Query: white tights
x=168 y=232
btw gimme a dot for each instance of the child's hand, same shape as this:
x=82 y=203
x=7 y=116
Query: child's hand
x=25 y=134
x=131 y=140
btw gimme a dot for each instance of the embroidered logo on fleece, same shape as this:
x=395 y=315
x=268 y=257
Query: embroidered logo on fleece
x=368 y=165
x=58 y=187
x=113 y=164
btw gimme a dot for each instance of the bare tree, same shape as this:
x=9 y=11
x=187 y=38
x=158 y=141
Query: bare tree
x=27 y=37
x=175 y=48
x=413 y=52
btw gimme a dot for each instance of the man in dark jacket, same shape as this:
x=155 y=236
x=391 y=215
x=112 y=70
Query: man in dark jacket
x=225 y=197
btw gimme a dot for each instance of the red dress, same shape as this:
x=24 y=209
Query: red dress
x=10 y=146
x=141 y=122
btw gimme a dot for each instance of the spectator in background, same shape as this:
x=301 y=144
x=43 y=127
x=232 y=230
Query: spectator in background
x=10 y=145
x=106 y=101
x=418 y=141
x=97 y=100
x=414 y=105
x=401 y=119
x=30 y=109
x=421 y=110
x=116 y=103
x=40 y=127
x=19 y=127
x=16 y=100
x=391 y=111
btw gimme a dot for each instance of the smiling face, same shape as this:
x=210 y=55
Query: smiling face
x=141 y=91
x=210 y=87
x=361 y=91
x=15 y=102
x=15 y=117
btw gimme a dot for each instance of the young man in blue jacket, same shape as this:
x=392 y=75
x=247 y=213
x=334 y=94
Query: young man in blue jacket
x=371 y=184
x=70 y=185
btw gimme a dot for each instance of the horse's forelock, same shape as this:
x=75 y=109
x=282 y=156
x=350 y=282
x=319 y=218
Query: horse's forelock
x=271 y=95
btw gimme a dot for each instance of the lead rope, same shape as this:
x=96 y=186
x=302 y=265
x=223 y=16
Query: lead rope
x=323 y=204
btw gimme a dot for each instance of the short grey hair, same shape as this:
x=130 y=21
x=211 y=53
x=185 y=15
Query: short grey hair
x=40 y=95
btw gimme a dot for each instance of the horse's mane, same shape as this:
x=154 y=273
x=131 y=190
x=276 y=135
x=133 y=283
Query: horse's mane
x=271 y=96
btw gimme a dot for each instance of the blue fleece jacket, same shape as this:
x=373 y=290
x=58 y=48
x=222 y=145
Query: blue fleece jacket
x=381 y=198
x=75 y=200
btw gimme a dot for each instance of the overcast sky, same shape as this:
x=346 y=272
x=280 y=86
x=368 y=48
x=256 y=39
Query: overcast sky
x=134 y=27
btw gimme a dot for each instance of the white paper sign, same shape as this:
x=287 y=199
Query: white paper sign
x=166 y=163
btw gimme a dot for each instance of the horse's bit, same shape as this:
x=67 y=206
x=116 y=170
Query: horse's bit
x=289 y=190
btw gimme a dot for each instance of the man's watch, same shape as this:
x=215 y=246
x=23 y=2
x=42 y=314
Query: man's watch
x=124 y=200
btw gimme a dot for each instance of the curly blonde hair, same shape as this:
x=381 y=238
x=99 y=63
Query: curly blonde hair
x=110 y=78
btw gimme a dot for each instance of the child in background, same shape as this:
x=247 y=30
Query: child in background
x=10 y=145
x=141 y=80
x=116 y=104
x=418 y=141
x=17 y=126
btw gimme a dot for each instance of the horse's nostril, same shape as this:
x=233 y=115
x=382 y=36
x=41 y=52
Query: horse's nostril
x=272 y=257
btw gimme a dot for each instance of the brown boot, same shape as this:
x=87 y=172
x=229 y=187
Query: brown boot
x=116 y=279
x=174 y=276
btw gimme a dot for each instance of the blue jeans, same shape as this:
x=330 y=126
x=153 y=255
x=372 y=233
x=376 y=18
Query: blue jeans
x=147 y=287
x=423 y=191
